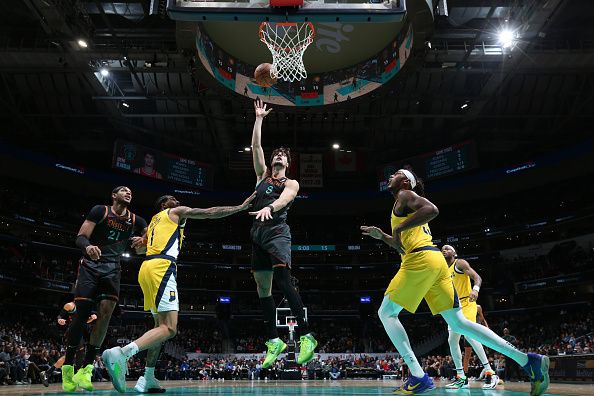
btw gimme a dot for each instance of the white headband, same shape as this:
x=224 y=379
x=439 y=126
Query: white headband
x=410 y=177
x=451 y=247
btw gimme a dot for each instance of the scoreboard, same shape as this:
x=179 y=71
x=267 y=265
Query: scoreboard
x=142 y=160
x=448 y=161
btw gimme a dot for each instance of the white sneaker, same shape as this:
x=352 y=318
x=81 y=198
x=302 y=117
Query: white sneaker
x=150 y=385
x=117 y=367
x=491 y=381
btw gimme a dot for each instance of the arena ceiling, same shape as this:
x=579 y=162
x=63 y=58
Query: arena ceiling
x=516 y=104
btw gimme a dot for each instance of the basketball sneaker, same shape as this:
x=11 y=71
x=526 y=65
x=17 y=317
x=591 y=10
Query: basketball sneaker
x=415 y=386
x=117 y=367
x=491 y=380
x=307 y=346
x=459 y=383
x=148 y=385
x=83 y=377
x=275 y=348
x=44 y=379
x=538 y=371
x=68 y=383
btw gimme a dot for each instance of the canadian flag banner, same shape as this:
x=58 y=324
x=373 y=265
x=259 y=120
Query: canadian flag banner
x=345 y=161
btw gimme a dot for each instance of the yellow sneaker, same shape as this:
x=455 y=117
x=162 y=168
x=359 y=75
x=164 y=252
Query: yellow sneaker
x=68 y=383
x=83 y=377
x=275 y=348
x=307 y=346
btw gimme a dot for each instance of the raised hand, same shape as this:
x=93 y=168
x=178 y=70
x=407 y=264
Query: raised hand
x=260 y=108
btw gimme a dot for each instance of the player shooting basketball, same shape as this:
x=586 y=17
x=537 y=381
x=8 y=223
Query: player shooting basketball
x=271 y=242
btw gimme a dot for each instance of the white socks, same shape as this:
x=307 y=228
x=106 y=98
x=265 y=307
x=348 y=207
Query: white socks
x=388 y=314
x=480 y=352
x=454 y=341
x=483 y=335
x=130 y=350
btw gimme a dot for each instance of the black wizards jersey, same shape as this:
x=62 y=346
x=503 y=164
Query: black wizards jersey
x=268 y=191
x=112 y=232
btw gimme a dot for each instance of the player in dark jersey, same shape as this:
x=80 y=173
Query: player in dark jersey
x=271 y=242
x=103 y=238
x=65 y=318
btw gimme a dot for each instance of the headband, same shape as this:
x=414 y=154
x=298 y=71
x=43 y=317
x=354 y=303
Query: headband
x=410 y=177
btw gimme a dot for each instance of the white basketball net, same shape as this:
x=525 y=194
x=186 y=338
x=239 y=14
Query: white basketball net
x=287 y=42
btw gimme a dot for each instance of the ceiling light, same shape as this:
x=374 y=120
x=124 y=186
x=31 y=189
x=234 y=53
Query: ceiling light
x=247 y=149
x=82 y=43
x=336 y=146
x=465 y=105
x=506 y=38
x=125 y=104
x=104 y=72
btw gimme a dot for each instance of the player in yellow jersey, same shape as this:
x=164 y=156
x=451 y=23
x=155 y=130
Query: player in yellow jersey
x=424 y=274
x=157 y=278
x=461 y=273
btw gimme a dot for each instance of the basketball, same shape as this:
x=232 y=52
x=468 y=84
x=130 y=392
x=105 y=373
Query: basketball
x=262 y=75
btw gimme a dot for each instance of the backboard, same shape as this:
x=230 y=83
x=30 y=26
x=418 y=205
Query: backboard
x=353 y=11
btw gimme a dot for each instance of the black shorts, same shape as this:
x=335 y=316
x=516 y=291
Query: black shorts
x=271 y=246
x=97 y=281
x=86 y=335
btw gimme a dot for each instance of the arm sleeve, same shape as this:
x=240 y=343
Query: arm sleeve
x=96 y=214
x=140 y=224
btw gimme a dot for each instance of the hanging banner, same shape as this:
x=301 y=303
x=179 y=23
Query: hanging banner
x=311 y=171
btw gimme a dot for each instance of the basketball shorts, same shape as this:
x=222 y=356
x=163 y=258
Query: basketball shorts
x=158 y=280
x=423 y=275
x=97 y=281
x=271 y=246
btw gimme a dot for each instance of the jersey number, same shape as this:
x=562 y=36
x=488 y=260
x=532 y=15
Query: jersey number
x=426 y=230
x=113 y=235
x=269 y=189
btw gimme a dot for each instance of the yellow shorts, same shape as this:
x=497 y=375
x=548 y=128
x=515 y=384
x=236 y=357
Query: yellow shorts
x=158 y=281
x=469 y=309
x=425 y=275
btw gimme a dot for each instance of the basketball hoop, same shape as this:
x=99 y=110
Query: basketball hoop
x=292 y=325
x=287 y=41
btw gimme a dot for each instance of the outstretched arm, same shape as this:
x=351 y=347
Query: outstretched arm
x=257 y=152
x=463 y=266
x=424 y=211
x=183 y=212
x=287 y=196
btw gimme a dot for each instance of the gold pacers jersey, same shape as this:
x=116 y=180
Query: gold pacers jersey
x=415 y=237
x=461 y=281
x=164 y=235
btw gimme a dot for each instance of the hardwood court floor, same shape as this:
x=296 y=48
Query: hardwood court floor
x=291 y=388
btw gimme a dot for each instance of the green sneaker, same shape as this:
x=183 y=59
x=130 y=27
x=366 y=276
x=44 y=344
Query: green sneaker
x=459 y=383
x=68 y=383
x=307 y=345
x=83 y=377
x=275 y=348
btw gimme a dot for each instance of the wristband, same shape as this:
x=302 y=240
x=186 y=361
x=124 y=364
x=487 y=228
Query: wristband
x=82 y=242
x=476 y=288
x=271 y=208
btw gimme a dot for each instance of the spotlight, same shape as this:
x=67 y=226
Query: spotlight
x=336 y=146
x=506 y=38
x=104 y=72
x=247 y=149
x=125 y=104
x=82 y=43
x=465 y=105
